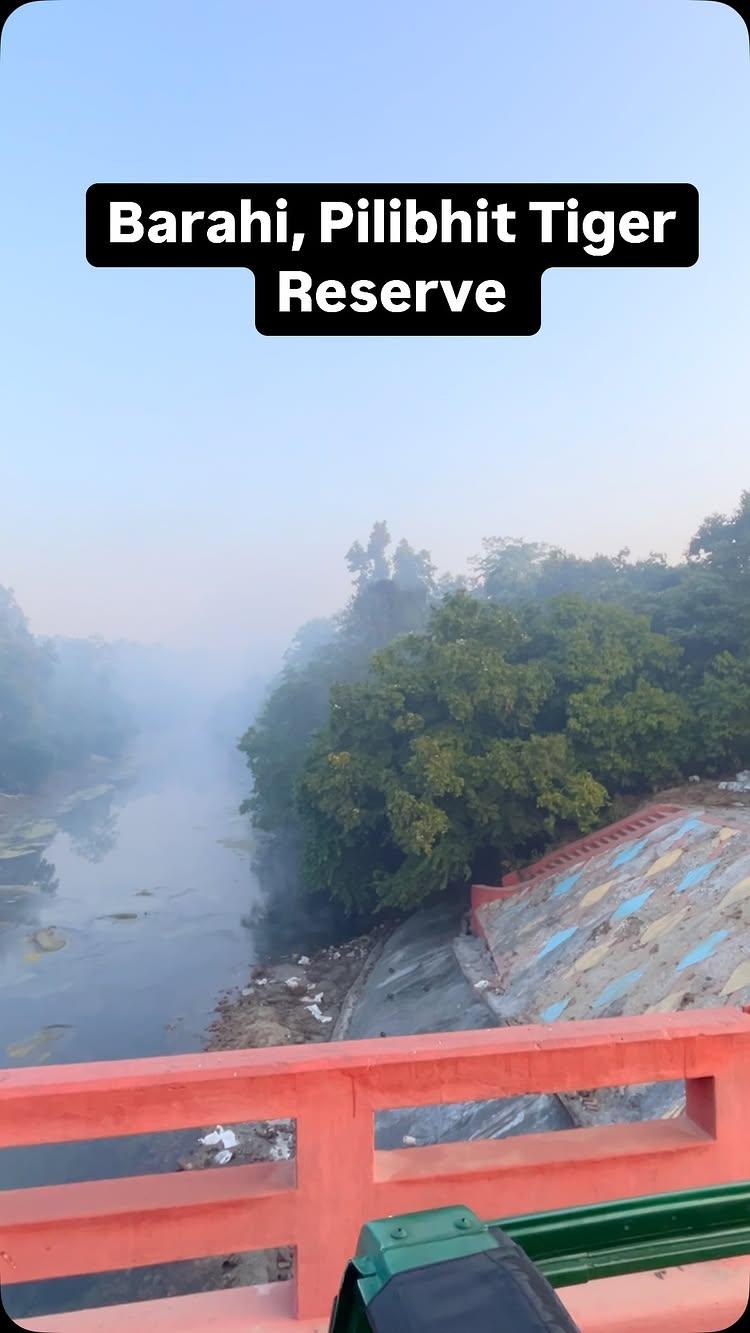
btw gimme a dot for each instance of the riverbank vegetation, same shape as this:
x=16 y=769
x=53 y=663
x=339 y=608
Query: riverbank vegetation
x=442 y=730
x=58 y=702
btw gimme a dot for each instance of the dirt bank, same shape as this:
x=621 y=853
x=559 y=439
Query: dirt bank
x=292 y=1001
x=707 y=794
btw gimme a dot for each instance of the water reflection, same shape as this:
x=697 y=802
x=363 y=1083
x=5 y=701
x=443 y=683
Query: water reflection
x=91 y=827
x=121 y=910
x=24 y=881
x=31 y=871
x=26 y=872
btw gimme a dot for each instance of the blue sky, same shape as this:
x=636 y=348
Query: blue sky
x=167 y=473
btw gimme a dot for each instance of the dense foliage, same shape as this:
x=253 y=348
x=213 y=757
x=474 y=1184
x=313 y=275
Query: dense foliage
x=481 y=739
x=432 y=734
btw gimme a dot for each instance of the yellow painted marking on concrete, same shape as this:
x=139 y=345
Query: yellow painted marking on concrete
x=669 y=1003
x=596 y=895
x=725 y=834
x=589 y=959
x=737 y=893
x=663 y=924
x=739 y=978
x=665 y=861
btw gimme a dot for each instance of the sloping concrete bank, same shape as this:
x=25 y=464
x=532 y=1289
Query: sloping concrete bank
x=416 y=986
x=393 y=983
x=588 y=1106
x=657 y=924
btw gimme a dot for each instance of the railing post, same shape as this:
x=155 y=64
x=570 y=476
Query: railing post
x=719 y=1105
x=335 y=1164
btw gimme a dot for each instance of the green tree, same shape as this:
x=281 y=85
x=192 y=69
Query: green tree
x=448 y=728
x=722 y=542
x=722 y=703
x=511 y=570
x=390 y=597
x=473 y=746
x=617 y=691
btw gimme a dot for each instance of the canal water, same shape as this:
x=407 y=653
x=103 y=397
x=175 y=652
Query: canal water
x=124 y=911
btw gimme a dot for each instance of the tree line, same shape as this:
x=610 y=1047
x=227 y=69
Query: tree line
x=439 y=730
x=58 y=702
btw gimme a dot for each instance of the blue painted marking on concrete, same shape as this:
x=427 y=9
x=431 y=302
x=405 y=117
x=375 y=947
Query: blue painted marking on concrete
x=695 y=876
x=628 y=853
x=549 y=1015
x=616 y=988
x=702 y=951
x=566 y=885
x=556 y=940
x=689 y=826
x=631 y=905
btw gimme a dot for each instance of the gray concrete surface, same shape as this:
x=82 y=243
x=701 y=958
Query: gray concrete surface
x=416 y=986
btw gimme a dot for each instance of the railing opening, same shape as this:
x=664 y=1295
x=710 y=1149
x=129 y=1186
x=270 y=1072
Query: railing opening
x=242 y=1268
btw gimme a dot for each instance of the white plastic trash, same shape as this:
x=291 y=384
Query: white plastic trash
x=316 y=1013
x=226 y=1137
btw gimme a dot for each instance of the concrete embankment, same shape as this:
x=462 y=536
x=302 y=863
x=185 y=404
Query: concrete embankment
x=417 y=986
x=654 y=924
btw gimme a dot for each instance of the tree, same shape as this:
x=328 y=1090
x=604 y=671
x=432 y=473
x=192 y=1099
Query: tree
x=453 y=728
x=475 y=744
x=617 y=692
x=390 y=597
x=85 y=714
x=722 y=543
x=309 y=640
x=26 y=755
x=369 y=564
x=58 y=703
x=722 y=703
x=511 y=570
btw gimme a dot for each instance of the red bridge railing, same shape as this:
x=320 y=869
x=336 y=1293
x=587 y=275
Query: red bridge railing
x=318 y=1201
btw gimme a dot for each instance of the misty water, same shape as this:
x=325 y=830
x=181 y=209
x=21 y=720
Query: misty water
x=117 y=937
x=138 y=899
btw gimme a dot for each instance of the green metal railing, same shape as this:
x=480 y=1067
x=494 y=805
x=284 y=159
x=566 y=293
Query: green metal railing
x=565 y=1247
x=635 y=1235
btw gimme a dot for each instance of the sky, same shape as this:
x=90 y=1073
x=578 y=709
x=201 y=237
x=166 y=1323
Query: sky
x=168 y=474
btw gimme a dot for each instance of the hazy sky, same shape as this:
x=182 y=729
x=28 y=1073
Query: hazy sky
x=167 y=473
